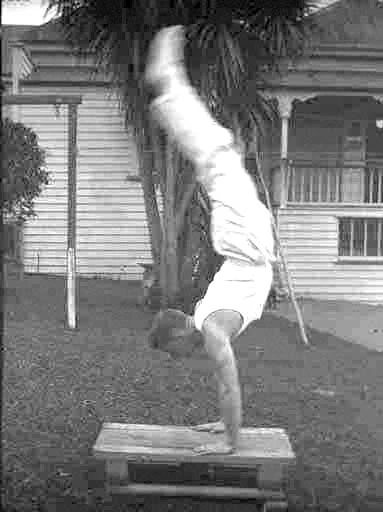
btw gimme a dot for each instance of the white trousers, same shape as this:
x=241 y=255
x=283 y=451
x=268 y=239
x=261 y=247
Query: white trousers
x=241 y=224
x=182 y=114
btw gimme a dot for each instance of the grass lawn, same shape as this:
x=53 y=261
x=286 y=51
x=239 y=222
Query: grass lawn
x=59 y=386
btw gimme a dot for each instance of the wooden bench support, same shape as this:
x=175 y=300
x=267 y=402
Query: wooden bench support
x=261 y=459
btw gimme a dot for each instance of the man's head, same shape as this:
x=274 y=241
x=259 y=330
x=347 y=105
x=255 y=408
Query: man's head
x=173 y=331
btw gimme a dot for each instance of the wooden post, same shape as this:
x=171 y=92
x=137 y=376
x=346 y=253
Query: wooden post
x=284 y=134
x=282 y=257
x=284 y=107
x=169 y=261
x=72 y=102
x=72 y=294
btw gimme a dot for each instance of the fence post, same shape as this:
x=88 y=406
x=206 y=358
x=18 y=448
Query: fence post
x=72 y=288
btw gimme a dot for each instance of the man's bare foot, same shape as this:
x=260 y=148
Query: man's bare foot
x=216 y=427
x=165 y=56
x=219 y=448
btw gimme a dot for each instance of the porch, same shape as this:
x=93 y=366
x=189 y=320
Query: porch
x=328 y=184
x=360 y=232
x=326 y=177
x=328 y=149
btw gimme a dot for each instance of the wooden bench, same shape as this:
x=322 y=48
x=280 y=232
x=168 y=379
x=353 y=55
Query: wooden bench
x=258 y=466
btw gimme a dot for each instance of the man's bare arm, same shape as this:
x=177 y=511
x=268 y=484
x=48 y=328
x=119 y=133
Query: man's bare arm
x=229 y=393
x=220 y=352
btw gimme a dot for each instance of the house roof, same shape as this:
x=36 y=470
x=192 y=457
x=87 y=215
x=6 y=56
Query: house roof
x=341 y=107
x=10 y=34
x=341 y=24
x=339 y=21
x=27 y=34
x=351 y=23
x=48 y=32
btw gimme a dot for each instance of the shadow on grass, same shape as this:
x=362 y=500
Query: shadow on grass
x=59 y=386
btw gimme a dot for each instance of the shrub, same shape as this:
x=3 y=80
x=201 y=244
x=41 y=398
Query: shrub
x=24 y=170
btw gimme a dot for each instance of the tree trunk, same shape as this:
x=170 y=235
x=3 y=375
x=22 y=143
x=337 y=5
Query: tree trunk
x=169 y=275
x=152 y=215
x=146 y=167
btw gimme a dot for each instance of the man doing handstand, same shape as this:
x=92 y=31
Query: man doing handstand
x=241 y=231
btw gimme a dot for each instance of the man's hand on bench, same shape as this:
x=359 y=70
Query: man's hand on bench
x=216 y=427
x=218 y=448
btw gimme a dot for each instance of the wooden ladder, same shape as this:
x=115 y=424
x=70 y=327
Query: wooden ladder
x=258 y=465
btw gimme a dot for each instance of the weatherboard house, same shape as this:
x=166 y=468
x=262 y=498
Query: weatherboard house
x=325 y=160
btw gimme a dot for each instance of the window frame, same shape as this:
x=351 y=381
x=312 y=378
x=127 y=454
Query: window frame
x=360 y=259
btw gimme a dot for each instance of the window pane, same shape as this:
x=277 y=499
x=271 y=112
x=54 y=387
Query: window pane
x=323 y=188
x=291 y=184
x=367 y=184
x=333 y=186
x=298 y=177
x=381 y=236
x=306 y=186
x=372 y=237
x=315 y=185
x=358 y=238
x=373 y=185
x=374 y=143
x=354 y=129
x=344 y=237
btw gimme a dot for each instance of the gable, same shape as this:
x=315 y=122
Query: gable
x=10 y=34
x=350 y=22
x=53 y=58
x=48 y=32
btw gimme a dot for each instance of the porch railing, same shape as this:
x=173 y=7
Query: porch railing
x=309 y=183
x=373 y=183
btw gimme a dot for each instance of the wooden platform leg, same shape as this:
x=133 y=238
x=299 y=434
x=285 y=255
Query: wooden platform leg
x=276 y=506
x=117 y=472
x=270 y=475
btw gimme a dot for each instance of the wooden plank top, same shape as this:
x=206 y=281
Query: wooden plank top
x=174 y=444
x=41 y=99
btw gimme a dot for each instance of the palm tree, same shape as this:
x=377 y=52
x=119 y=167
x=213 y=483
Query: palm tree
x=227 y=42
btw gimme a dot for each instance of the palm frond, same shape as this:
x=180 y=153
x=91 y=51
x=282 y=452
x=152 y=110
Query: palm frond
x=227 y=41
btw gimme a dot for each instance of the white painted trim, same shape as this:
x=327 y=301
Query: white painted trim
x=334 y=205
x=19 y=57
x=362 y=214
x=359 y=259
x=71 y=289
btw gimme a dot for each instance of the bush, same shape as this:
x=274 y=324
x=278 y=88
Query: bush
x=24 y=170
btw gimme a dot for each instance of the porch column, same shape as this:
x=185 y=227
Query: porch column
x=284 y=107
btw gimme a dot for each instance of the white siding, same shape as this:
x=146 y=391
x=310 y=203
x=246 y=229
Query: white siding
x=112 y=234
x=309 y=236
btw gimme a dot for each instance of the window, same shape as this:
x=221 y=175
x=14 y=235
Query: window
x=374 y=140
x=354 y=142
x=373 y=184
x=360 y=237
